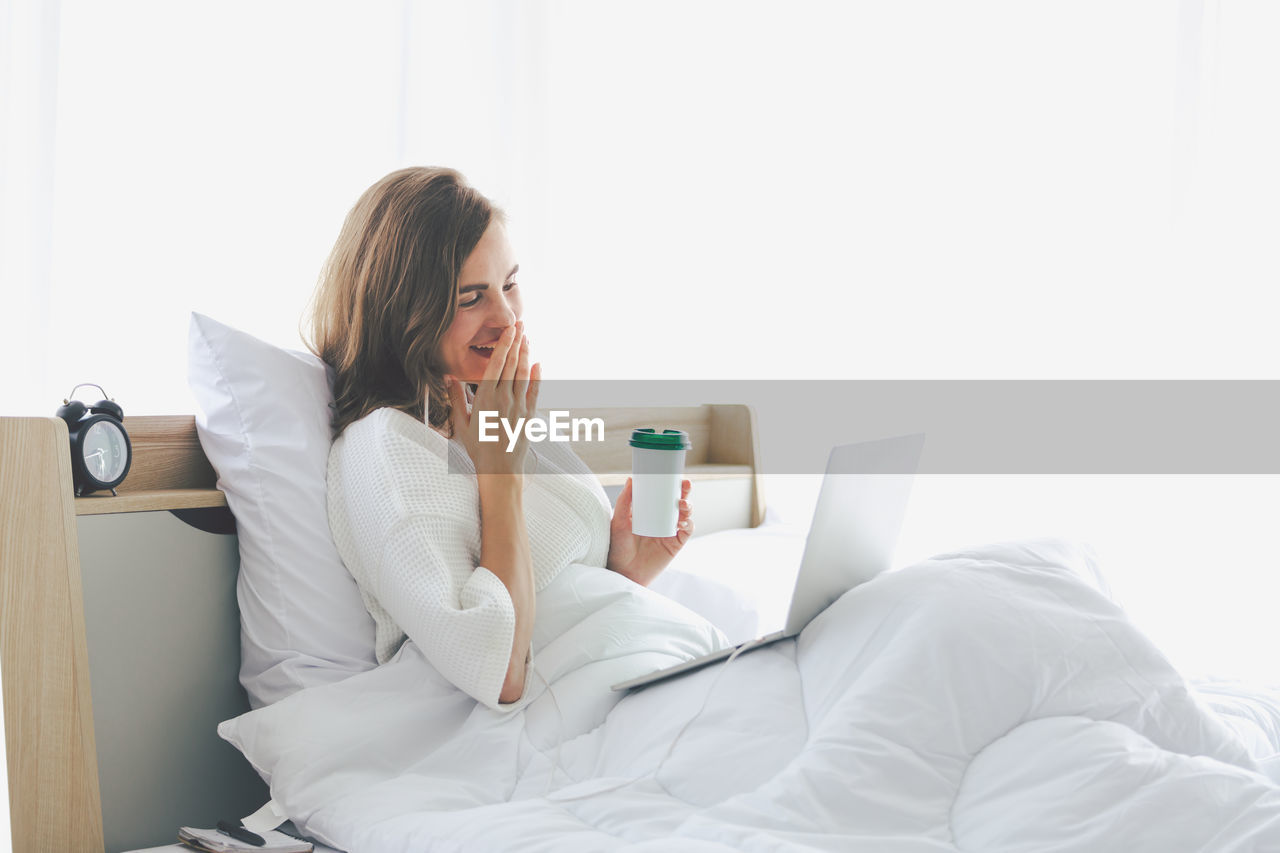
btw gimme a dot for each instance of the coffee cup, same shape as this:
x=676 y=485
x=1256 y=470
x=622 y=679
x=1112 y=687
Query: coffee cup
x=657 y=467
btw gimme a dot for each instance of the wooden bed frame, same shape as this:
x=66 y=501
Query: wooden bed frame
x=119 y=631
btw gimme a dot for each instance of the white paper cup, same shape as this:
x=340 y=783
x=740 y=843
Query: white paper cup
x=657 y=467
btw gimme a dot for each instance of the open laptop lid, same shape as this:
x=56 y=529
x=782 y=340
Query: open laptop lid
x=856 y=523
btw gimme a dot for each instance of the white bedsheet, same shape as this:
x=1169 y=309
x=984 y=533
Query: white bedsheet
x=985 y=701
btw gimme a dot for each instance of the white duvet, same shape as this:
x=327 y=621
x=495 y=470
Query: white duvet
x=984 y=701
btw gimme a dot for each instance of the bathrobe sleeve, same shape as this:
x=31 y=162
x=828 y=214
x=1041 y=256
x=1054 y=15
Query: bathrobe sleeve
x=460 y=616
x=407 y=525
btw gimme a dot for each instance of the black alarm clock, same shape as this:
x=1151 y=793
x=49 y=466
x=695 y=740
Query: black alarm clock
x=100 y=448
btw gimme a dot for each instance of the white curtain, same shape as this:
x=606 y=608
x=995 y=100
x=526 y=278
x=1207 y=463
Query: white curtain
x=28 y=99
x=925 y=189
x=28 y=103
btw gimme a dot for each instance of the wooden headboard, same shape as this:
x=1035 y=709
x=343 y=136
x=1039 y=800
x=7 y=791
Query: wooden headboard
x=130 y=600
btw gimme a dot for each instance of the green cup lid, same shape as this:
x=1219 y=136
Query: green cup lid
x=668 y=439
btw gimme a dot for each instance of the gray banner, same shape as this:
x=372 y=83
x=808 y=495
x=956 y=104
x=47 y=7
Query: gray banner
x=1120 y=427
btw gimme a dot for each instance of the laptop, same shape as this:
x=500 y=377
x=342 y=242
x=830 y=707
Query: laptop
x=855 y=528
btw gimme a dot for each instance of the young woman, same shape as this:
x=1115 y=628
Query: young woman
x=418 y=312
x=986 y=694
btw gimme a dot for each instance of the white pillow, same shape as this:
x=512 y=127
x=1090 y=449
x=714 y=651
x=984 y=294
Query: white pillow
x=732 y=611
x=740 y=580
x=264 y=424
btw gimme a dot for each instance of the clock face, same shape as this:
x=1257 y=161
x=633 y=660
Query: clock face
x=105 y=452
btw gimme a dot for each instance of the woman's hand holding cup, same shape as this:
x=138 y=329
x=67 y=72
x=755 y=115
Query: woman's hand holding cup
x=509 y=388
x=642 y=558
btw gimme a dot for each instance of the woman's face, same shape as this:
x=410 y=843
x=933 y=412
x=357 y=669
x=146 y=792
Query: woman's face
x=488 y=302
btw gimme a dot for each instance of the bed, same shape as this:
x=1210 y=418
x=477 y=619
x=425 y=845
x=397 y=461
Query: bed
x=988 y=699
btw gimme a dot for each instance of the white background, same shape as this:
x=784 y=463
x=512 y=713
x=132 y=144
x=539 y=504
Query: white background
x=712 y=190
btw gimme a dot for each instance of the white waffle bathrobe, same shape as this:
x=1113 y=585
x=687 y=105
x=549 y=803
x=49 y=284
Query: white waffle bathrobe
x=404 y=509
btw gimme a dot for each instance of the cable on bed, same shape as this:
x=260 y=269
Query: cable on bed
x=555 y=762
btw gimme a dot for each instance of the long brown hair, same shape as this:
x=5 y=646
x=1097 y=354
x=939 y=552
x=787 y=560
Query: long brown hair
x=387 y=293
